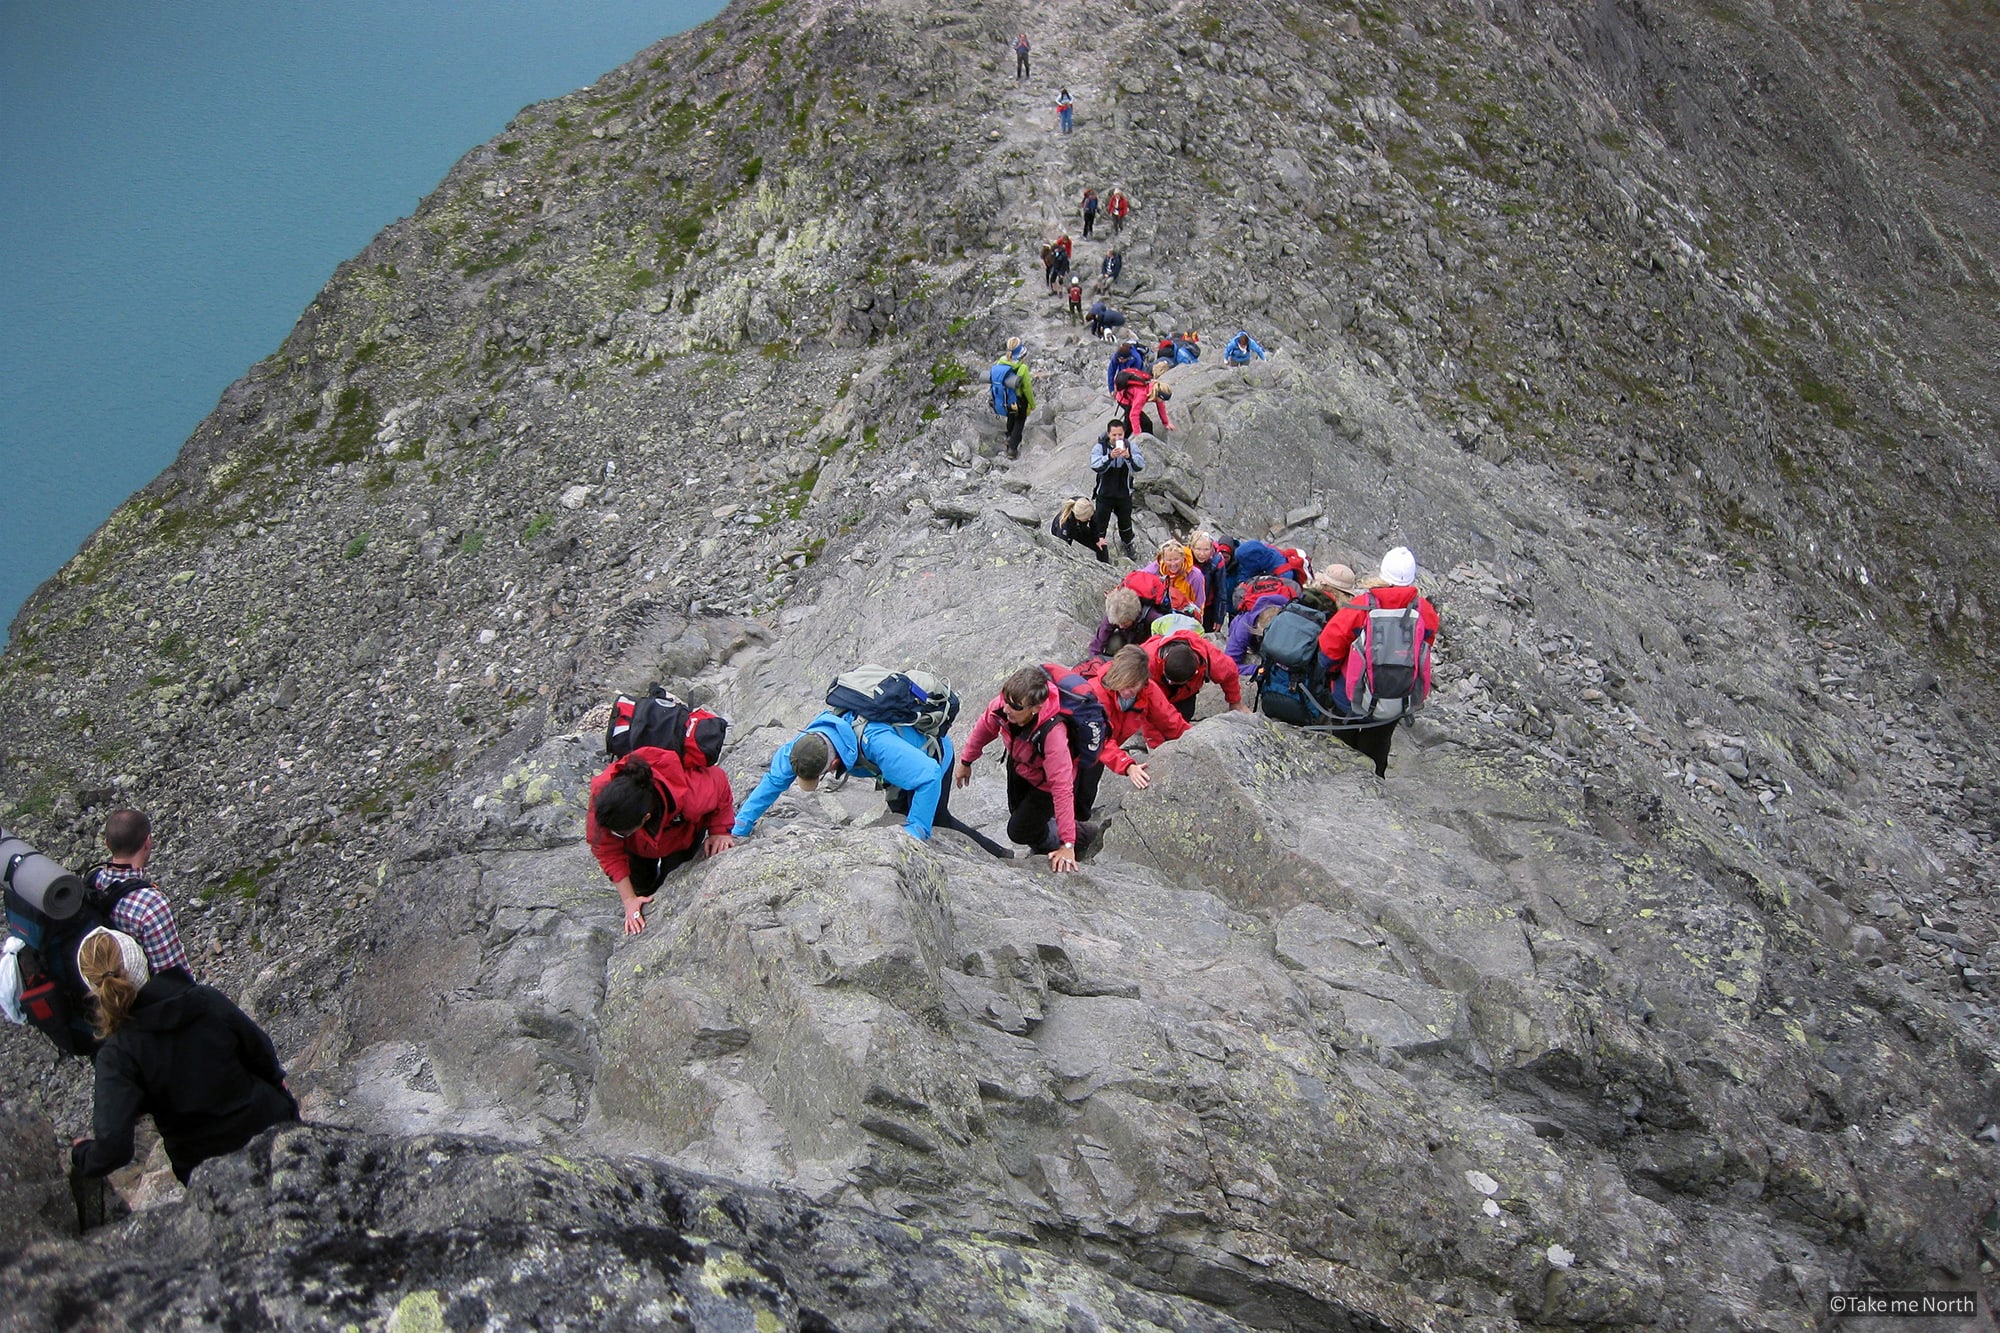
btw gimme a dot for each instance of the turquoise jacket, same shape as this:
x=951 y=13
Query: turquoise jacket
x=897 y=755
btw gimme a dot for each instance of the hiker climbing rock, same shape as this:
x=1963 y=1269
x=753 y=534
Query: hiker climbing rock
x=1065 y=110
x=904 y=756
x=652 y=811
x=1378 y=654
x=1258 y=602
x=1089 y=212
x=1128 y=620
x=1013 y=390
x=130 y=900
x=175 y=1050
x=1051 y=731
x=1021 y=57
x=1135 y=390
x=1116 y=460
x=1125 y=690
x=1127 y=357
x=1075 y=299
x=1184 y=661
x=1076 y=522
x=1241 y=349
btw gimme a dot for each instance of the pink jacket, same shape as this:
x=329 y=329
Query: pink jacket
x=1048 y=767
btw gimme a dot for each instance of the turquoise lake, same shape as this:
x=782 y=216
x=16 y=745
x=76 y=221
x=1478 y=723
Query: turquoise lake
x=178 y=181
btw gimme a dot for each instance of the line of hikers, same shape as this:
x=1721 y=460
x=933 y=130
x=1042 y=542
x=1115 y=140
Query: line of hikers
x=1335 y=650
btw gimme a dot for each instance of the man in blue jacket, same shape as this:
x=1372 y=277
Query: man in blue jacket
x=835 y=743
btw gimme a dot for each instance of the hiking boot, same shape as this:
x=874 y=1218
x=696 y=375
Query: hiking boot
x=1089 y=839
x=1013 y=452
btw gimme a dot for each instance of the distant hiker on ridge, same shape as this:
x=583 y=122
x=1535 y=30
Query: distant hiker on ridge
x=1065 y=109
x=1021 y=57
x=1089 y=212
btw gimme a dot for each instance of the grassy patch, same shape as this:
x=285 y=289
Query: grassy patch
x=1830 y=398
x=471 y=543
x=537 y=525
x=354 y=547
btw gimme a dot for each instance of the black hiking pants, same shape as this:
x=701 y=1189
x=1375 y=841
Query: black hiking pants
x=1089 y=221
x=1031 y=812
x=1017 y=422
x=1020 y=63
x=649 y=872
x=1119 y=506
x=1372 y=742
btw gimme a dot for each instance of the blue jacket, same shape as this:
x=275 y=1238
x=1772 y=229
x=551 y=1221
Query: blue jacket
x=897 y=755
x=1120 y=360
x=1241 y=357
x=1185 y=352
x=1113 y=265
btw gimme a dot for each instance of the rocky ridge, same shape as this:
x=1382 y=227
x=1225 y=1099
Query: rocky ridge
x=1669 y=927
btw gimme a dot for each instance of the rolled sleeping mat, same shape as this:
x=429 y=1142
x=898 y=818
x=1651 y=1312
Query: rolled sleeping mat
x=44 y=885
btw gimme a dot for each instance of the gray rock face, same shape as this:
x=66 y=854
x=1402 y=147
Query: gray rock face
x=1653 y=987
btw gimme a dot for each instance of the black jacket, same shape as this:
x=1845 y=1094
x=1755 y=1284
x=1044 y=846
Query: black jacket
x=207 y=1075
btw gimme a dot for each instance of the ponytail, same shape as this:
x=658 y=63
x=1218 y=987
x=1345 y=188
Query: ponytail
x=101 y=960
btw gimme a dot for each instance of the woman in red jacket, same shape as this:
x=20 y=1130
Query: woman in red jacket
x=1397 y=590
x=647 y=815
x=1130 y=698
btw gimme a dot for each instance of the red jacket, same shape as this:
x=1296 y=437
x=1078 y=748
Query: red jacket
x=1338 y=636
x=1214 y=665
x=1151 y=709
x=1048 y=767
x=1119 y=205
x=697 y=802
x=1063 y=244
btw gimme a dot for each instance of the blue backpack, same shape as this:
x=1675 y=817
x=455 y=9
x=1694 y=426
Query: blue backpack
x=1006 y=383
x=1288 y=686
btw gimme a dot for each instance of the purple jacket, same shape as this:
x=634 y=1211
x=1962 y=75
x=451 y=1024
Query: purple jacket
x=1244 y=625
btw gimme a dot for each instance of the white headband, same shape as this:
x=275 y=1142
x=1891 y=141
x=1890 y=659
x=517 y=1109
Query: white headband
x=129 y=952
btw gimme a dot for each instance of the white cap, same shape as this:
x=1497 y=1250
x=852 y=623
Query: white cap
x=1399 y=567
x=129 y=952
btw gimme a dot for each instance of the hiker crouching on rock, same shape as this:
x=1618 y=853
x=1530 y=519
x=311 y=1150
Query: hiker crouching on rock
x=1131 y=700
x=647 y=815
x=1076 y=522
x=1049 y=793
x=177 y=1051
x=900 y=756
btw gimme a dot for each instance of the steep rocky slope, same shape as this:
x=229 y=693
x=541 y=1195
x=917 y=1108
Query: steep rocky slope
x=1650 y=989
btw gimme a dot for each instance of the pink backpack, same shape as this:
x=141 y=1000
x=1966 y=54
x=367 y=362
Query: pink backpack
x=1388 y=672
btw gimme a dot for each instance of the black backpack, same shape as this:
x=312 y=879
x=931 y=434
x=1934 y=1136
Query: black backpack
x=661 y=720
x=1079 y=712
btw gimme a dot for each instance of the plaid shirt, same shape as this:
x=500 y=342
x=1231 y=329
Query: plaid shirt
x=145 y=915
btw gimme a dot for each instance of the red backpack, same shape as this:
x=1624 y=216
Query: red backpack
x=1155 y=597
x=1265 y=585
